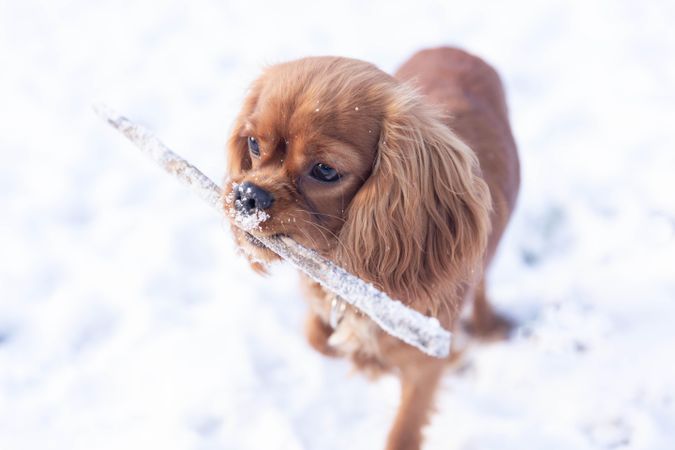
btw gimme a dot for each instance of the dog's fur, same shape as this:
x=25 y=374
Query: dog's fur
x=429 y=178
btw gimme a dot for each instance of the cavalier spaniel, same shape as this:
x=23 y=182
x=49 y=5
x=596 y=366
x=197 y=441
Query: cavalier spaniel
x=407 y=181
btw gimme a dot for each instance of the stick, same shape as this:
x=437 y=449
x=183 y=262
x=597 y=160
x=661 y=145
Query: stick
x=407 y=324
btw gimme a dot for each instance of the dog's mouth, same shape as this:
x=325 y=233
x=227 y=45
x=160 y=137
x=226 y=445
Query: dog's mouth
x=253 y=240
x=259 y=247
x=255 y=250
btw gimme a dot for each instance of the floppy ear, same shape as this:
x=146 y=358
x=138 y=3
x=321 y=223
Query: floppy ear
x=238 y=158
x=422 y=217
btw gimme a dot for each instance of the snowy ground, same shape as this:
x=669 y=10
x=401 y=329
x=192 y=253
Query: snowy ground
x=127 y=320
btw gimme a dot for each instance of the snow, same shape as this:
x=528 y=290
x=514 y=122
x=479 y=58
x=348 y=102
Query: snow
x=248 y=222
x=128 y=321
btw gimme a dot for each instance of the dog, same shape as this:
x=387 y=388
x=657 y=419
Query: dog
x=407 y=181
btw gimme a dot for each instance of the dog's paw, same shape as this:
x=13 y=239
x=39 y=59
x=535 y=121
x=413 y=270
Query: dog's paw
x=318 y=334
x=490 y=327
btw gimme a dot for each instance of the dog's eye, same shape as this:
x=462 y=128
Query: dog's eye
x=322 y=172
x=253 y=146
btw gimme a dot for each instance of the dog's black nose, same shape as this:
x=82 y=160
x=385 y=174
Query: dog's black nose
x=249 y=197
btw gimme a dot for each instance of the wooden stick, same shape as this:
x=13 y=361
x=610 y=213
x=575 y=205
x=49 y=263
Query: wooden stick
x=407 y=324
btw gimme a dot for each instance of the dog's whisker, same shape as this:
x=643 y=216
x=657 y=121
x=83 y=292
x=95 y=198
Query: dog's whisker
x=309 y=238
x=320 y=228
x=319 y=213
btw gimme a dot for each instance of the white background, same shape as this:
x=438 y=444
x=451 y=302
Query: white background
x=128 y=321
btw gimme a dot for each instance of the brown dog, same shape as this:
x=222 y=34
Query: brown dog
x=406 y=181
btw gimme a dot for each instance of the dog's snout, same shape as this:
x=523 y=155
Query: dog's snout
x=250 y=197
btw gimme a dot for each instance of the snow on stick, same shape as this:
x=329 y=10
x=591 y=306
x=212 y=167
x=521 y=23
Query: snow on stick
x=407 y=324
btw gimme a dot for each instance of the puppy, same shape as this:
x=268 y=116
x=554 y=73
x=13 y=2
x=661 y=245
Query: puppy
x=406 y=181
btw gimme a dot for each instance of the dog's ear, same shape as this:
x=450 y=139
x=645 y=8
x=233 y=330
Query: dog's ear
x=422 y=217
x=238 y=157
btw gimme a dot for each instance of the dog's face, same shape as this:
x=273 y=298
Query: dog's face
x=341 y=157
x=302 y=148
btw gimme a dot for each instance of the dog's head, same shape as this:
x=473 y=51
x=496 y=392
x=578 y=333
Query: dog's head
x=350 y=162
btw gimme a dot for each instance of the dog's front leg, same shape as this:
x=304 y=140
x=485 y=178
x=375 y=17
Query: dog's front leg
x=419 y=381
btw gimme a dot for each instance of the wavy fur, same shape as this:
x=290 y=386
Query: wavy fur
x=423 y=215
x=418 y=210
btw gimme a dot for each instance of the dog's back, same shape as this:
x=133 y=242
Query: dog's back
x=471 y=93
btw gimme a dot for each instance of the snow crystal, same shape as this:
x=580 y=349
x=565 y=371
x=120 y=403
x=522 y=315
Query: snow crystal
x=248 y=221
